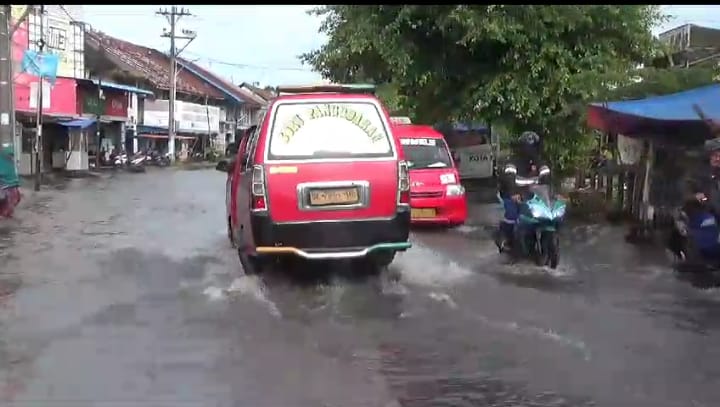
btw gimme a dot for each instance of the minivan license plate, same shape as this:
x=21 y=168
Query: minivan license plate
x=335 y=196
x=422 y=213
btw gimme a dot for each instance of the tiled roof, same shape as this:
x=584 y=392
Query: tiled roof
x=152 y=64
x=222 y=83
x=264 y=93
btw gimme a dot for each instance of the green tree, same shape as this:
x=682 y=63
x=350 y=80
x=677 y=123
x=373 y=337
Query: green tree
x=527 y=67
x=650 y=81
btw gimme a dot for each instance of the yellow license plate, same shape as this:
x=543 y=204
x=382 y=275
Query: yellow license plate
x=422 y=213
x=335 y=196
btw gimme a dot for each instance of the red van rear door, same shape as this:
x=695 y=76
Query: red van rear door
x=330 y=159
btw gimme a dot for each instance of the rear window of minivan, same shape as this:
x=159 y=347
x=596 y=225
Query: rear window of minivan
x=319 y=130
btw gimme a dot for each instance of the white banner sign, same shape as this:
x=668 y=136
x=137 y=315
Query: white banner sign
x=630 y=149
x=156 y=118
x=198 y=118
x=475 y=161
x=189 y=117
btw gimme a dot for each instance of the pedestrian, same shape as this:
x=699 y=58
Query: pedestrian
x=9 y=182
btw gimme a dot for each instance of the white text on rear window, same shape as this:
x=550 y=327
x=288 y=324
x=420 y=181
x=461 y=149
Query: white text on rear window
x=328 y=130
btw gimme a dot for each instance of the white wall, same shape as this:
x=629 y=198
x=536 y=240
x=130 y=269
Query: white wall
x=25 y=166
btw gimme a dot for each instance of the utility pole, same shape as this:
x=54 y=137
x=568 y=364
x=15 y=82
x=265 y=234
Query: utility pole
x=38 y=132
x=6 y=82
x=173 y=16
x=98 y=117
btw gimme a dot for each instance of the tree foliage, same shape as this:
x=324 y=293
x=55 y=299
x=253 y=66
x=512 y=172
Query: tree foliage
x=529 y=67
x=649 y=82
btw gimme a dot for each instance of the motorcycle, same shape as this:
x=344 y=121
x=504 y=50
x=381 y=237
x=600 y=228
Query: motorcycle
x=694 y=240
x=119 y=160
x=160 y=160
x=137 y=163
x=536 y=231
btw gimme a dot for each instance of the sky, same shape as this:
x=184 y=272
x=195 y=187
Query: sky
x=253 y=43
x=243 y=43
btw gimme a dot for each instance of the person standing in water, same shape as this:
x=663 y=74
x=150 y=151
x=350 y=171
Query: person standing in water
x=9 y=182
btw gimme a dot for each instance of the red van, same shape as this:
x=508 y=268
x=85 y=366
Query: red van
x=321 y=177
x=436 y=195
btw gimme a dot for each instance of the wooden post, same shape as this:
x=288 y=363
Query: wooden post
x=621 y=191
x=647 y=209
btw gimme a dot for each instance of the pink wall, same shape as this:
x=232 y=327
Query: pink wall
x=62 y=95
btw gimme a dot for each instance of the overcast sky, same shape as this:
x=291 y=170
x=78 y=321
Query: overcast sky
x=261 y=43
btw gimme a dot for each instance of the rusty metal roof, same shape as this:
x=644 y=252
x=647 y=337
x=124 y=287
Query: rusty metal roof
x=221 y=83
x=151 y=64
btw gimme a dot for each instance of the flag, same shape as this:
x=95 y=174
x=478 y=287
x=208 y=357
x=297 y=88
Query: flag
x=40 y=64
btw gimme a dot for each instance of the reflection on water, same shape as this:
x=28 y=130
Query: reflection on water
x=420 y=379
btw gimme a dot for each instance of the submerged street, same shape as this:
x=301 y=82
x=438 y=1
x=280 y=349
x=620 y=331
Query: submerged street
x=123 y=290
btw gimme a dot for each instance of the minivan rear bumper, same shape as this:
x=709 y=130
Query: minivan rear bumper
x=332 y=239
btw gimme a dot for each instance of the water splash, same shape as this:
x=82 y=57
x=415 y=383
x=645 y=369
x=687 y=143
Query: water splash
x=251 y=286
x=424 y=266
x=539 y=332
x=443 y=298
x=465 y=229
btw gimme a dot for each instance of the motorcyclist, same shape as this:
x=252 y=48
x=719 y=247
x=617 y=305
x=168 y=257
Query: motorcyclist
x=526 y=163
x=702 y=197
x=9 y=182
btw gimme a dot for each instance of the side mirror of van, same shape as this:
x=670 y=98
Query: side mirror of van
x=224 y=166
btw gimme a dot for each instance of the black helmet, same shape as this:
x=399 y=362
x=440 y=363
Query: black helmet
x=712 y=145
x=529 y=138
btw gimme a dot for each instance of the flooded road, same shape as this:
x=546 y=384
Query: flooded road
x=123 y=291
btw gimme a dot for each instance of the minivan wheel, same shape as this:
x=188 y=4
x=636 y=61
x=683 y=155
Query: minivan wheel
x=251 y=264
x=230 y=233
x=383 y=259
x=377 y=262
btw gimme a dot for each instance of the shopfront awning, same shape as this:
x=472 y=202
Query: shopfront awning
x=671 y=115
x=118 y=86
x=78 y=123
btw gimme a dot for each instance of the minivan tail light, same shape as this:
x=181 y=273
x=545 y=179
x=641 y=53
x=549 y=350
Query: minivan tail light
x=403 y=183
x=259 y=201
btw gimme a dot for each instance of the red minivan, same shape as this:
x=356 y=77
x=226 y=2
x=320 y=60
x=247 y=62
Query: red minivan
x=436 y=195
x=321 y=177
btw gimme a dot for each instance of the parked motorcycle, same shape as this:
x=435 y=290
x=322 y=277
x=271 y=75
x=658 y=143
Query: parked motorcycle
x=119 y=160
x=693 y=240
x=536 y=231
x=160 y=160
x=137 y=162
x=163 y=160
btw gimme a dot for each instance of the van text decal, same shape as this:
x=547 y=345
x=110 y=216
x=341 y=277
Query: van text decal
x=283 y=170
x=330 y=110
x=418 y=142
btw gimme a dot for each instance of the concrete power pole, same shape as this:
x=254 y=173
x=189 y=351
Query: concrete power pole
x=7 y=135
x=173 y=16
x=38 y=133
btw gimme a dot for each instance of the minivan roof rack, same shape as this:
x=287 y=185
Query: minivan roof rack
x=328 y=88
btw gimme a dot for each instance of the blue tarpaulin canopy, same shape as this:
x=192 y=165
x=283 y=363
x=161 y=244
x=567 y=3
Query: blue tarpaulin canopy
x=79 y=123
x=671 y=115
x=118 y=86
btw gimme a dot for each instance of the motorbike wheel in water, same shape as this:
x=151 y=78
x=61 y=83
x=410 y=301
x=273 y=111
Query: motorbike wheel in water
x=548 y=252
